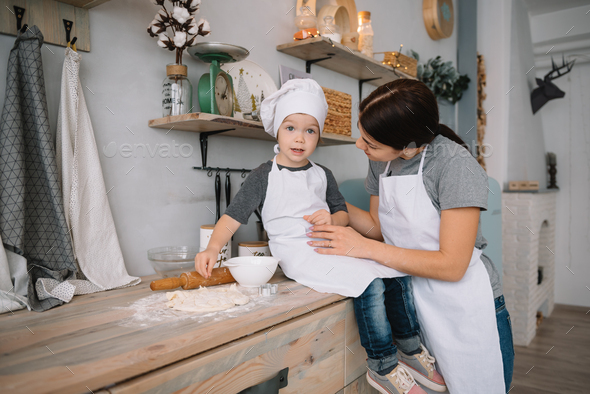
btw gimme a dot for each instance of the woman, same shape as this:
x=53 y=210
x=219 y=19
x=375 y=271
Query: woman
x=427 y=193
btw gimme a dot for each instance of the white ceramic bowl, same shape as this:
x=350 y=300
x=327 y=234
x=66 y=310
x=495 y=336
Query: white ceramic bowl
x=252 y=271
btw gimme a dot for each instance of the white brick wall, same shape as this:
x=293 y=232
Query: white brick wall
x=528 y=232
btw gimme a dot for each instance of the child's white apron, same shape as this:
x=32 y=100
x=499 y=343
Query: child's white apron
x=458 y=319
x=291 y=195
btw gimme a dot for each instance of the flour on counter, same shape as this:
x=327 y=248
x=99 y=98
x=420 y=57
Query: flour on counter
x=153 y=310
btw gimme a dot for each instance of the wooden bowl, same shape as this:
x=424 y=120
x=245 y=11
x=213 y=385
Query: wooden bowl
x=438 y=18
x=352 y=15
x=340 y=15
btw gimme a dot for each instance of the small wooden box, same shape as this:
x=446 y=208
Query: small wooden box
x=339 y=117
x=407 y=65
x=523 y=185
x=513 y=185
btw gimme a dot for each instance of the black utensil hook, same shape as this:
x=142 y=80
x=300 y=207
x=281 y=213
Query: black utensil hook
x=68 y=26
x=19 y=12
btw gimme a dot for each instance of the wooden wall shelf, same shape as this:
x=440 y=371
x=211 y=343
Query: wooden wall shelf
x=203 y=122
x=86 y=4
x=342 y=60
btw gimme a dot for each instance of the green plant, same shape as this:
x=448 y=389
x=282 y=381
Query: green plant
x=442 y=78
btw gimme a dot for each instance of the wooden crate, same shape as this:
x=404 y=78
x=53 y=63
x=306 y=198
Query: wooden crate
x=339 y=117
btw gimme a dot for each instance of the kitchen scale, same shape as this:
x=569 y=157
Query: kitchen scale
x=215 y=89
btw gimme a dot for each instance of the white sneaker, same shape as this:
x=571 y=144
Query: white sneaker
x=398 y=381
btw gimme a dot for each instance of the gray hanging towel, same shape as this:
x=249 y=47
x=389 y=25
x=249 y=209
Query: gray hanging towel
x=32 y=221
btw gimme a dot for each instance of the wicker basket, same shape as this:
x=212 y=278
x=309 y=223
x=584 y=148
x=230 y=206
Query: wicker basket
x=407 y=64
x=339 y=117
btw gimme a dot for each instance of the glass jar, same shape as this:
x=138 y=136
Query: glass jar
x=365 y=33
x=306 y=24
x=330 y=30
x=177 y=91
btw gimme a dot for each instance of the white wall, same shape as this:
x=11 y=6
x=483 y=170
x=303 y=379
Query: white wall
x=124 y=70
x=566 y=124
x=493 y=42
x=526 y=148
x=566 y=129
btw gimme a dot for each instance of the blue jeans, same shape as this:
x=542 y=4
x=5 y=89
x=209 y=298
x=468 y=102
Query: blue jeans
x=383 y=312
x=506 y=345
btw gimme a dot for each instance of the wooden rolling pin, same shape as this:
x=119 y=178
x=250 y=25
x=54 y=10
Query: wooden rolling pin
x=192 y=280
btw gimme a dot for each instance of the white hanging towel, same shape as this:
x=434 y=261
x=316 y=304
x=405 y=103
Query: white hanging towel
x=86 y=205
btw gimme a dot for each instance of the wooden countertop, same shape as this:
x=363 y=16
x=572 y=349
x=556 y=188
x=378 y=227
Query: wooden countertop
x=100 y=339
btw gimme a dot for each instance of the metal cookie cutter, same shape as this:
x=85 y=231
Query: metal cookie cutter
x=268 y=289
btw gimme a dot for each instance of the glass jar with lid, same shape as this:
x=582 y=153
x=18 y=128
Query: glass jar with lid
x=177 y=91
x=306 y=24
x=330 y=30
x=365 y=33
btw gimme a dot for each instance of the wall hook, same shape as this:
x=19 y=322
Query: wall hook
x=19 y=13
x=68 y=26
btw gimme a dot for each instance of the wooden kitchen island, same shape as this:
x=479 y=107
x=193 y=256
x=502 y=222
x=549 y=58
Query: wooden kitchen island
x=101 y=343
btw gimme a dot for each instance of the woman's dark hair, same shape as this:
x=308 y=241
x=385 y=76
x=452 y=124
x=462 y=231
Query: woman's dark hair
x=401 y=112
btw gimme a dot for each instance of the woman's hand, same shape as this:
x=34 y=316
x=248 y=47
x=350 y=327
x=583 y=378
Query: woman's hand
x=343 y=241
x=319 y=217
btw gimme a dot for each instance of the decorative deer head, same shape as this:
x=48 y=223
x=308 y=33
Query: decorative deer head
x=547 y=90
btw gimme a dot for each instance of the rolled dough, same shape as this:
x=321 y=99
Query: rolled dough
x=206 y=300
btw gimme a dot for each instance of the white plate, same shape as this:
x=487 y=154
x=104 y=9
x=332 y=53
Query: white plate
x=249 y=80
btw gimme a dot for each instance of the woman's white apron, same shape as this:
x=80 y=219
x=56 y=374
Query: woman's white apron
x=458 y=319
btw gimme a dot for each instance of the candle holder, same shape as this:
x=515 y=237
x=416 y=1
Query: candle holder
x=552 y=170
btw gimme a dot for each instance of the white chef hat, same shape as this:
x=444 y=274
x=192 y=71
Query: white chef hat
x=303 y=96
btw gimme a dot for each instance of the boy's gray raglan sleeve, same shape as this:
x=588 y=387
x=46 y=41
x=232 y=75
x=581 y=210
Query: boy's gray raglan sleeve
x=334 y=198
x=249 y=197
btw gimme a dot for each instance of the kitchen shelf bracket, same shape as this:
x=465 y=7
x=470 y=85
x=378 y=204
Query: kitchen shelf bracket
x=361 y=82
x=308 y=63
x=203 y=139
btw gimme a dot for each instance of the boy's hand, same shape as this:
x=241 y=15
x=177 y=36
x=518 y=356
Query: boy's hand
x=205 y=261
x=319 y=217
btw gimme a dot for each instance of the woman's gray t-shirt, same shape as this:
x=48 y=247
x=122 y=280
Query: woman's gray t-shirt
x=452 y=178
